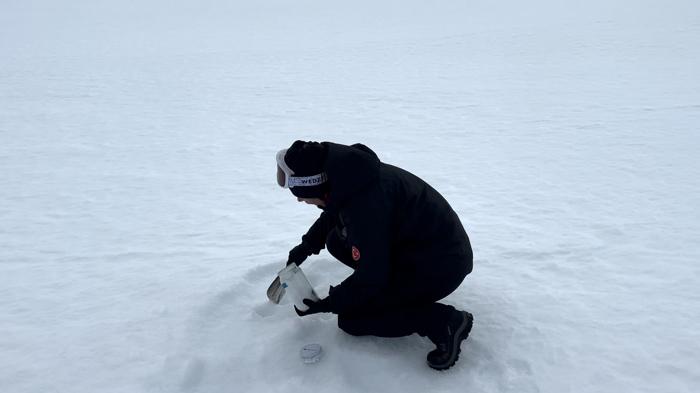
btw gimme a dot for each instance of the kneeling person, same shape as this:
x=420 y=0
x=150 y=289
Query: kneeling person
x=405 y=244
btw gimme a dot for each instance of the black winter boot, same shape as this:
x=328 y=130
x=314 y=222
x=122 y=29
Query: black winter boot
x=448 y=346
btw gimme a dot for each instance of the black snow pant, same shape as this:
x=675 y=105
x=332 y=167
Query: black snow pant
x=408 y=305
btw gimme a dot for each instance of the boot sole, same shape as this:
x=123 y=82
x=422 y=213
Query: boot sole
x=461 y=335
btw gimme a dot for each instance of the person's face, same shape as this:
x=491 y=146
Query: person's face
x=313 y=201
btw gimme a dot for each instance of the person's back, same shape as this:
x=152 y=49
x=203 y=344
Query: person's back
x=426 y=227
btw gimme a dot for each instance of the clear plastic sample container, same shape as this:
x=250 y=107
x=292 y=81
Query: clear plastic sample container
x=297 y=286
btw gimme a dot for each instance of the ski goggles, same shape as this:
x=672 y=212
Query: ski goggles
x=286 y=178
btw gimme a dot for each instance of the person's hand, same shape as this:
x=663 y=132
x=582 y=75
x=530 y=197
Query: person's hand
x=299 y=254
x=323 y=305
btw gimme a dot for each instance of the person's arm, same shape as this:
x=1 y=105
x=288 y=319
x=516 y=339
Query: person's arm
x=313 y=241
x=316 y=236
x=369 y=235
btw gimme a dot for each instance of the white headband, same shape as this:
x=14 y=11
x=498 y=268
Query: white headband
x=307 y=181
x=286 y=178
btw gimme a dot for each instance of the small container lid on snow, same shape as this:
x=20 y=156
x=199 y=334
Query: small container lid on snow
x=311 y=353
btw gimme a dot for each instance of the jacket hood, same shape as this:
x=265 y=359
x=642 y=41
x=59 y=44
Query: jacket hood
x=350 y=169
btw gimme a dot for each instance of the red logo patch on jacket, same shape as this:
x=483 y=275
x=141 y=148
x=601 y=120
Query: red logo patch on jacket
x=355 y=254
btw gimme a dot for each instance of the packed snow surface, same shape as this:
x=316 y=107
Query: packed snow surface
x=140 y=223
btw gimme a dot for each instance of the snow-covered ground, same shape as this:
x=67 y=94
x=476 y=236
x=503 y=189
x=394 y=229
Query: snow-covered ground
x=140 y=223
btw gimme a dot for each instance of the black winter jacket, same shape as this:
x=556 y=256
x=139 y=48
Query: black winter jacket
x=396 y=223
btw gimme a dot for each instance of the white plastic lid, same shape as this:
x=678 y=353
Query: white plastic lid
x=311 y=353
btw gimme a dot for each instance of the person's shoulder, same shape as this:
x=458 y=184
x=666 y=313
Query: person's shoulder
x=372 y=200
x=392 y=174
x=364 y=148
